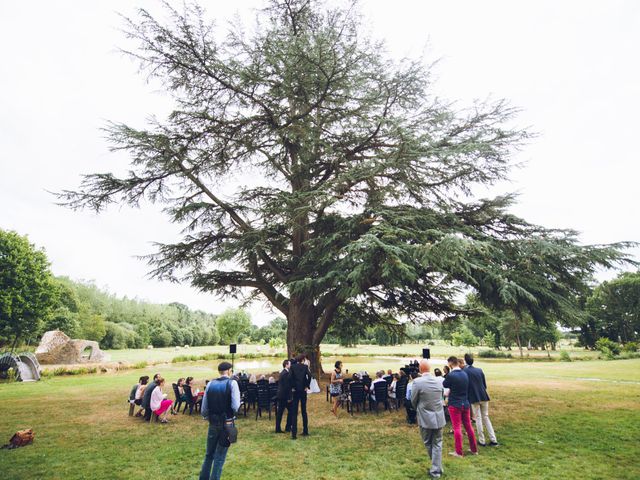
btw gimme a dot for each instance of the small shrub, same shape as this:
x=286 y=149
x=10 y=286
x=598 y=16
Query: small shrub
x=608 y=347
x=564 y=356
x=493 y=354
x=606 y=353
x=630 y=347
x=142 y=364
x=629 y=355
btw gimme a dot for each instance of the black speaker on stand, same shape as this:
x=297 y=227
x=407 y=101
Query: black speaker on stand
x=232 y=351
x=426 y=353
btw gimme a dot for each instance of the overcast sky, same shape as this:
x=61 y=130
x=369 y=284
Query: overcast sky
x=572 y=67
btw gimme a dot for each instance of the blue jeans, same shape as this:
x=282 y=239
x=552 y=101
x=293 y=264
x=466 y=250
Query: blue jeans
x=215 y=455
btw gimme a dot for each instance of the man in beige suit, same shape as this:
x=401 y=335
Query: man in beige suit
x=426 y=398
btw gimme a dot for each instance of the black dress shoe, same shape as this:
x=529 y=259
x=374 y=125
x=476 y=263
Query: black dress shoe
x=294 y=437
x=494 y=444
x=482 y=444
x=305 y=434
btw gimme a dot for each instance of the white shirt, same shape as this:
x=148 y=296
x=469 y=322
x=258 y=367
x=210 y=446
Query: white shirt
x=139 y=392
x=156 y=398
x=372 y=390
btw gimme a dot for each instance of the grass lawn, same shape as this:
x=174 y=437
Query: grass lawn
x=554 y=421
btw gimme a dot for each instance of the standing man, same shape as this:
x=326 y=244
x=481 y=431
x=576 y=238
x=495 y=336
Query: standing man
x=426 y=399
x=300 y=381
x=219 y=405
x=411 y=412
x=459 y=409
x=479 y=400
x=284 y=397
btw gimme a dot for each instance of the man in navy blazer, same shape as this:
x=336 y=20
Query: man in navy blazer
x=479 y=400
x=457 y=382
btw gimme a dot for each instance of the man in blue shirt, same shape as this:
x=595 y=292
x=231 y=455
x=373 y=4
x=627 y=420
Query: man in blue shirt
x=220 y=403
x=411 y=413
x=457 y=382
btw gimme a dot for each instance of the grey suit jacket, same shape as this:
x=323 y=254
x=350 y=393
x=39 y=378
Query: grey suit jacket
x=426 y=398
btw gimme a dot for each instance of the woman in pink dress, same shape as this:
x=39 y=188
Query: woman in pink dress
x=159 y=404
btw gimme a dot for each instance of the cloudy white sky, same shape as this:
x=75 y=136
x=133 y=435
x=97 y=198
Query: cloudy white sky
x=572 y=67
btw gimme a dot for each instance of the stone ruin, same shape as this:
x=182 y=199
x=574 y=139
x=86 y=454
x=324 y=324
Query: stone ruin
x=57 y=348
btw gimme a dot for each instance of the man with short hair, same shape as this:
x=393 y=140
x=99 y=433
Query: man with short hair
x=457 y=382
x=283 y=396
x=479 y=400
x=411 y=412
x=300 y=381
x=219 y=405
x=426 y=400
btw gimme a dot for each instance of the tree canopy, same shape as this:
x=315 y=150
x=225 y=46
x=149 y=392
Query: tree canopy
x=311 y=170
x=27 y=291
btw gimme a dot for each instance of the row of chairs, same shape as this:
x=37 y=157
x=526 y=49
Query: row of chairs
x=192 y=402
x=358 y=393
x=261 y=396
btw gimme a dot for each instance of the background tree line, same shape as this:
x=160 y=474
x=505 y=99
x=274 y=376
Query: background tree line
x=33 y=301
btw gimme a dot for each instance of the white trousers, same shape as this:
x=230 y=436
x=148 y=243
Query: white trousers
x=481 y=414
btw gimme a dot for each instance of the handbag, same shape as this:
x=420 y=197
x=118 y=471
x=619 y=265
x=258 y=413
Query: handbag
x=313 y=386
x=229 y=429
x=20 y=439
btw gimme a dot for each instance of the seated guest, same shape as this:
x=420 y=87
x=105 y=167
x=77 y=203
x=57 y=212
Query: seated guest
x=146 y=397
x=445 y=371
x=272 y=380
x=253 y=379
x=189 y=383
x=137 y=399
x=388 y=376
x=180 y=384
x=378 y=379
x=159 y=404
x=392 y=387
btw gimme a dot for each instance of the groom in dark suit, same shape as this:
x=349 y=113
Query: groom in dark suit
x=284 y=397
x=300 y=381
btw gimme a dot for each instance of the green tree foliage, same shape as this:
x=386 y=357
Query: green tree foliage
x=233 y=324
x=27 y=292
x=274 y=332
x=614 y=310
x=361 y=177
x=85 y=311
x=463 y=336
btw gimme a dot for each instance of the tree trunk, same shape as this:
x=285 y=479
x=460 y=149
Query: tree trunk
x=519 y=344
x=301 y=323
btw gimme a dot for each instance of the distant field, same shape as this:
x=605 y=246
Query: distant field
x=557 y=420
x=440 y=350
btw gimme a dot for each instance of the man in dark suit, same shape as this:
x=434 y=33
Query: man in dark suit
x=479 y=400
x=284 y=397
x=146 y=398
x=300 y=381
x=457 y=382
